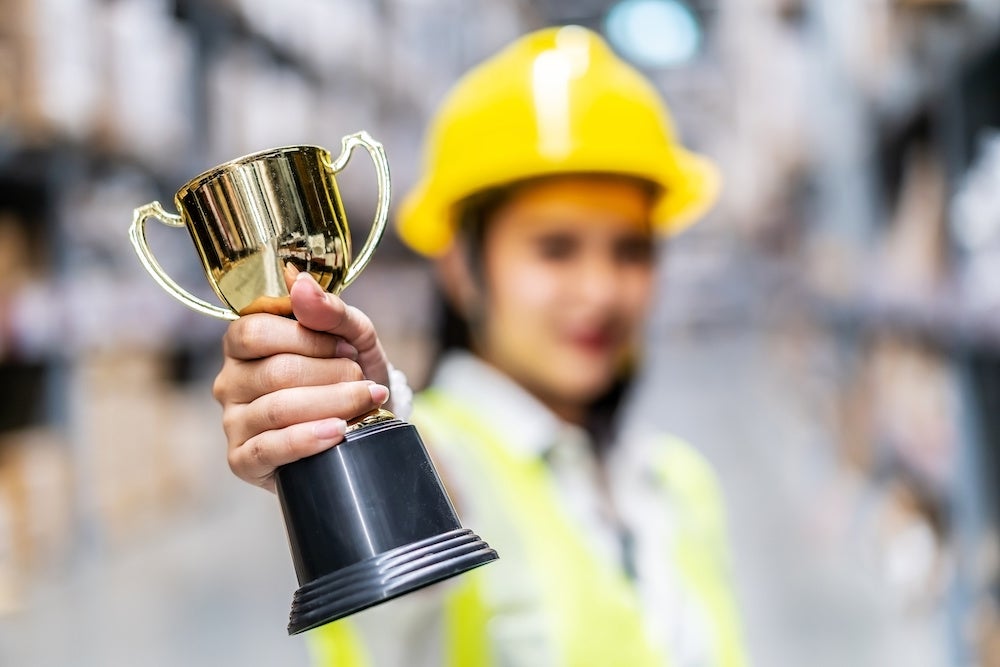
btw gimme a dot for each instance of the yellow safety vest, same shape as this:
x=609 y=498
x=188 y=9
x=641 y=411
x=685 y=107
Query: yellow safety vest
x=590 y=612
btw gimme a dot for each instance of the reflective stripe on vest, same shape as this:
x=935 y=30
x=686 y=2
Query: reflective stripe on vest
x=337 y=644
x=591 y=611
x=701 y=553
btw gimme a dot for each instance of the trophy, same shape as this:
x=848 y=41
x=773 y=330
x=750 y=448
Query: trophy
x=367 y=520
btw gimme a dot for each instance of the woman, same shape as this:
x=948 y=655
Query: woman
x=549 y=172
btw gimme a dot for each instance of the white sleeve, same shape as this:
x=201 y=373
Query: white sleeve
x=400 y=395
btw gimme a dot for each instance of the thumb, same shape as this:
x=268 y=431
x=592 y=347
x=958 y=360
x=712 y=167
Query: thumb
x=320 y=311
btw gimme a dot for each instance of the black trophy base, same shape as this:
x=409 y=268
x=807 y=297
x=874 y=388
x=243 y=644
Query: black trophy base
x=386 y=576
x=368 y=521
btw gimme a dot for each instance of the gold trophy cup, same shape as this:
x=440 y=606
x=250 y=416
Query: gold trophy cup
x=369 y=519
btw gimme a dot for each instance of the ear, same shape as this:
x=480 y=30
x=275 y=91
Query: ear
x=458 y=281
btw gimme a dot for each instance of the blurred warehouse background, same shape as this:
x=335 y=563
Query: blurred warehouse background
x=829 y=336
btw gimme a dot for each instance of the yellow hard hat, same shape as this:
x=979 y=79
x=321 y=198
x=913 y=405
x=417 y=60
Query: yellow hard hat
x=556 y=101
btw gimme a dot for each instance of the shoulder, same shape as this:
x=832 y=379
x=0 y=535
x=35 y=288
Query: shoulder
x=680 y=466
x=440 y=421
x=686 y=477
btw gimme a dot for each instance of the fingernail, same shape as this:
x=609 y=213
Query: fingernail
x=329 y=429
x=347 y=351
x=313 y=285
x=380 y=394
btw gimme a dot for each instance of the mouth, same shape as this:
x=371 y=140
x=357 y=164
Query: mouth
x=593 y=341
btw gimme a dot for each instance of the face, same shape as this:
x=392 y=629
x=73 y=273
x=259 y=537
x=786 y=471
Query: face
x=568 y=276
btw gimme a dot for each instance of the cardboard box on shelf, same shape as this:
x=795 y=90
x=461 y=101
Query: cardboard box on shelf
x=146 y=450
x=56 y=50
x=227 y=107
x=280 y=108
x=36 y=508
x=15 y=255
x=256 y=104
x=8 y=88
x=147 y=84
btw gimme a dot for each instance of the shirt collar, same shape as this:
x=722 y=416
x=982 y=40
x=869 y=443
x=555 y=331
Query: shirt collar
x=525 y=426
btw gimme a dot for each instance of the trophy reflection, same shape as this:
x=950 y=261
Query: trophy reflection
x=355 y=540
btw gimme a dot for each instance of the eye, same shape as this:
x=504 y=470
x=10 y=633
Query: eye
x=634 y=250
x=557 y=247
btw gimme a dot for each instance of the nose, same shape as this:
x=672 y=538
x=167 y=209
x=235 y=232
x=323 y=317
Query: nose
x=599 y=282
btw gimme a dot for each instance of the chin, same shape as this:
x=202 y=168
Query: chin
x=584 y=390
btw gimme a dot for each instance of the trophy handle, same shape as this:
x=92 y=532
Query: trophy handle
x=377 y=153
x=137 y=234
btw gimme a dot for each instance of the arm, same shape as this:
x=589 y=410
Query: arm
x=288 y=387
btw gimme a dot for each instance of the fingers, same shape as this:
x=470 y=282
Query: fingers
x=256 y=460
x=246 y=381
x=262 y=335
x=279 y=429
x=321 y=311
x=280 y=409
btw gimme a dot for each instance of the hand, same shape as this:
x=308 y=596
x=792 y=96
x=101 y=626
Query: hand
x=288 y=387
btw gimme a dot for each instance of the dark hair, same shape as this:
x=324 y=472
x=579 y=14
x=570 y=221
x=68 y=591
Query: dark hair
x=453 y=332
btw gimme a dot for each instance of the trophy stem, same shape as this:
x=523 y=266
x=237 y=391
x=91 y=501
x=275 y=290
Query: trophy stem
x=376 y=416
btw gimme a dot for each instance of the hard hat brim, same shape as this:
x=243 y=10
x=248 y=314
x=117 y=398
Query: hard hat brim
x=689 y=195
x=689 y=188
